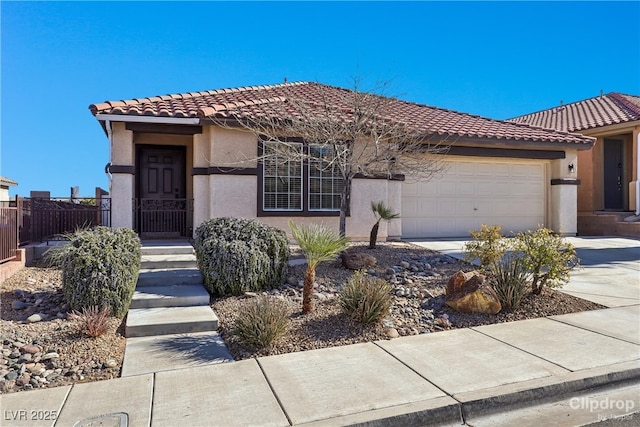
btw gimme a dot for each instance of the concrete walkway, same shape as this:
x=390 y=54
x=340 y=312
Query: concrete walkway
x=565 y=370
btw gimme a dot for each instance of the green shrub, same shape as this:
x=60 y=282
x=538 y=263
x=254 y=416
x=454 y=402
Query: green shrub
x=548 y=257
x=262 y=322
x=487 y=245
x=510 y=280
x=365 y=298
x=238 y=255
x=100 y=268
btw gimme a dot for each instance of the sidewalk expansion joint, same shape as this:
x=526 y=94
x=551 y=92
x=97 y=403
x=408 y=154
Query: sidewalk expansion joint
x=592 y=331
x=414 y=371
x=521 y=349
x=266 y=377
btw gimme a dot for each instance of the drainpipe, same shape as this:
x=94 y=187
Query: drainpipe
x=107 y=125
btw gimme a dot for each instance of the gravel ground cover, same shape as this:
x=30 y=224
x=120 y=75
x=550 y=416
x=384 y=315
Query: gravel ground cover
x=41 y=347
x=419 y=277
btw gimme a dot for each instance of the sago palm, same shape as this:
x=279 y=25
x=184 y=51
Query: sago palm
x=318 y=244
x=381 y=212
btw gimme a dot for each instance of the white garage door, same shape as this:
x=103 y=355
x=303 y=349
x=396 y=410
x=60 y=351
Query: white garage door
x=470 y=193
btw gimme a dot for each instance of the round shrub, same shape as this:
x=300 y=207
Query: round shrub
x=238 y=255
x=100 y=268
x=365 y=298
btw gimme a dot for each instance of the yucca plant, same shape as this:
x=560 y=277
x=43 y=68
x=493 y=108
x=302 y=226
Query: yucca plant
x=511 y=279
x=262 y=322
x=365 y=298
x=382 y=213
x=318 y=244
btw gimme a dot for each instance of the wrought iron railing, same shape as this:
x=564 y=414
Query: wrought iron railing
x=163 y=217
x=8 y=233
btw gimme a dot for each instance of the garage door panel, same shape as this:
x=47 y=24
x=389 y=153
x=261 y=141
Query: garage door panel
x=469 y=194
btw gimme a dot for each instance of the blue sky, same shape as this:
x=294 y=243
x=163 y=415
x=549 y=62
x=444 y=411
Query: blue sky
x=494 y=59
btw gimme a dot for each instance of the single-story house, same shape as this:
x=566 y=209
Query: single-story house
x=608 y=174
x=172 y=167
x=5 y=184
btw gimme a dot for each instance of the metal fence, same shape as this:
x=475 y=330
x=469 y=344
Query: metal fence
x=41 y=219
x=8 y=233
x=163 y=217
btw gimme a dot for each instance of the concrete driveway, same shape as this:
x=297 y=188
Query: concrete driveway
x=609 y=272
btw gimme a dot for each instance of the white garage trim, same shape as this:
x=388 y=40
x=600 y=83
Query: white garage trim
x=512 y=193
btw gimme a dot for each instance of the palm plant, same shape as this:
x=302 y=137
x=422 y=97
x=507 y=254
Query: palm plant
x=318 y=244
x=381 y=212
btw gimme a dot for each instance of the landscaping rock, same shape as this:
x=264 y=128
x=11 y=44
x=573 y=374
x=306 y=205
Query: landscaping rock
x=357 y=260
x=468 y=293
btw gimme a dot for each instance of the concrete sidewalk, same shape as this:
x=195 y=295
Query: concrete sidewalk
x=573 y=369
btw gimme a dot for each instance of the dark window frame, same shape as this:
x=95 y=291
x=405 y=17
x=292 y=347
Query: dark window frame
x=305 y=211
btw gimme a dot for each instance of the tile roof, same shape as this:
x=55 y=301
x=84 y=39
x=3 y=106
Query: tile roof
x=603 y=110
x=7 y=181
x=257 y=101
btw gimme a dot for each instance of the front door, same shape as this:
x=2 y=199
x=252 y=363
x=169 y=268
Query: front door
x=613 y=174
x=161 y=191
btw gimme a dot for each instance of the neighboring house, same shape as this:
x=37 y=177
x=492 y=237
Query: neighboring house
x=608 y=173
x=171 y=168
x=5 y=184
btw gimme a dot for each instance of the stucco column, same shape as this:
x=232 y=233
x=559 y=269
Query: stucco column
x=201 y=188
x=122 y=176
x=564 y=195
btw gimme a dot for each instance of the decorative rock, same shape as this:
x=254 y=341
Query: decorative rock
x=19 y=305
x=111 y=363
x=51 y=355
x=404 y=264
x=28 y=348
x=357 y=260
x=38 y=317
x=392 y=333
x=468 y=293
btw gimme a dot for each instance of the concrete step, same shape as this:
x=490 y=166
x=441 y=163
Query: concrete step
x=168 y=261
x=159 y=249
x=169 y=296
x=169 y=276
x=145 y=355
x=144 y=322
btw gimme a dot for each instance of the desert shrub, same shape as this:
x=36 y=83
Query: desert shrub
x=100 y=268
x=487 y=245
x=238 y=255
x=94 y=320
x=365 y=298
x=262 y=322
x=510 y=280
x=549 y=258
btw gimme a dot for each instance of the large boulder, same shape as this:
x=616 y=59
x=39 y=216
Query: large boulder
x=469 y=293
x=357 y=260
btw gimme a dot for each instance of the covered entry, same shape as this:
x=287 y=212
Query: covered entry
x=161 y=207
x=510 y=193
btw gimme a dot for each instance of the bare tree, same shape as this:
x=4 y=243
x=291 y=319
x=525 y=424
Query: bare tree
x=354 y=133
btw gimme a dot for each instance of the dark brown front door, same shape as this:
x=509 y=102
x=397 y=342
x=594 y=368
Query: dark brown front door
x=161 y=191
x=613 y=174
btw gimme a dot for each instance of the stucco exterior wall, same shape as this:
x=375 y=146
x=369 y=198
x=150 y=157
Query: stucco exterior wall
x=121 y=186
x=232 y=148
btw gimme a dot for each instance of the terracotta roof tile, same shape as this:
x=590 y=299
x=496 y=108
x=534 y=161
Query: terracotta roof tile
x=256 y=101
x=598 y=111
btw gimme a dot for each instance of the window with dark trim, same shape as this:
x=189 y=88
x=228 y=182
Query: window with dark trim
x=310 y=187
